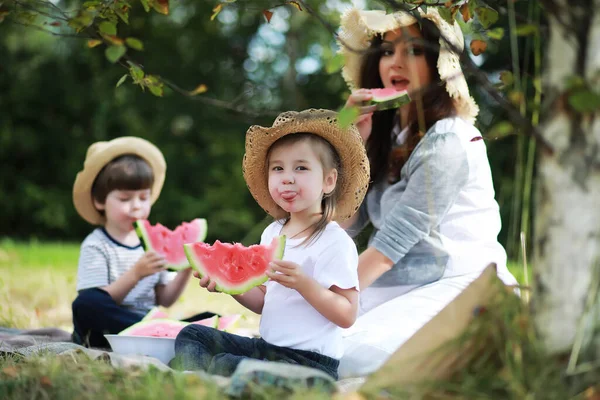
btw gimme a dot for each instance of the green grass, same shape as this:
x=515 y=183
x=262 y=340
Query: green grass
x=37 y=286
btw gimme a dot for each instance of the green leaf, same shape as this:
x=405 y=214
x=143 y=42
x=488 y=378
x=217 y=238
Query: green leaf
x=507 y=78
x=526 y=30
x=123 y=14
x=347 y=116
x=472 y=6
x=108 y=28
x=487 y=16
x=585 y=101
x=134 y=43
x=446 y=14
x=146 y=5
x=334 y=64
x=136 y=72
x=123 y=79
x=500 y=130
x=82 y=20
x=114 y=53
x=574 y=82
x=156 y=90
x=496 y=33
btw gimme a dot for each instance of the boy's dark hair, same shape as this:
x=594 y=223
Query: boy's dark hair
x=126 y=172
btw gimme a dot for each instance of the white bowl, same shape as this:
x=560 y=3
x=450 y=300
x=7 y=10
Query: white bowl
x=161 y=348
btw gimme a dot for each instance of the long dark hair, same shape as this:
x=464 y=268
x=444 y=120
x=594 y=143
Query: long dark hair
x=386 y=163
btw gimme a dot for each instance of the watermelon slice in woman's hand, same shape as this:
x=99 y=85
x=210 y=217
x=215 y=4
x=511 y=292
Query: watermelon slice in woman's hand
x=385 y=99
x=233 y=267
x=169 y=243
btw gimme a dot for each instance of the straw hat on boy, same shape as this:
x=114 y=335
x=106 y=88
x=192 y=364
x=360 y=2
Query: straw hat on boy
x=101 y=153
x=359 y=27
x=353 y=181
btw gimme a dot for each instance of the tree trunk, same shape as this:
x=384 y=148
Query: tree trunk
x=567 y=231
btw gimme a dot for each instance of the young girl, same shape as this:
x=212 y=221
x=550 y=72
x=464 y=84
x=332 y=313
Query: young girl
x=306 y=172
x=431 y=202
x=117 y=282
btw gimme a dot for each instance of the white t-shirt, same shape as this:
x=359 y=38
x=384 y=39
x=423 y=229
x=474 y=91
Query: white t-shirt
x=288 y=320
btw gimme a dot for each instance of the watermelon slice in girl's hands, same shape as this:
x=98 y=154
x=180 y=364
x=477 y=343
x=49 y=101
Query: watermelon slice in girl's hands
x=234 y=267
x=388 y=98
x=168 y=243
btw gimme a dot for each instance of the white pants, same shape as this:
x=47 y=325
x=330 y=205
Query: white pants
x=390 y=316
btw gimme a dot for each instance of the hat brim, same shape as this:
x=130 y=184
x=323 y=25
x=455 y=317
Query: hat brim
x=96 y=160
x=353 y=181
x=358 y=27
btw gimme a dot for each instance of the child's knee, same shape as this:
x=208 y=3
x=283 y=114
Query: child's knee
x=89 y=299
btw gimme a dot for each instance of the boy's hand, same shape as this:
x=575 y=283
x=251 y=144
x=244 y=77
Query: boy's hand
x=150 y=263
x=288 y=274
x=205 y=282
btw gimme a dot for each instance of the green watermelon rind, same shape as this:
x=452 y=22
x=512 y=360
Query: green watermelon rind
x=151 y=322
x=140 y=230
x=277 y=255
x=394 y=102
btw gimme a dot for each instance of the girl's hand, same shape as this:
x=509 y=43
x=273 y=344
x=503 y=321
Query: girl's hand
x=148 y=264
x=288 y=274
x=205 y=282
x=364 y=123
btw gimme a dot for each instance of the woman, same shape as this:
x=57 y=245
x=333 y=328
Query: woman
x=431 y=200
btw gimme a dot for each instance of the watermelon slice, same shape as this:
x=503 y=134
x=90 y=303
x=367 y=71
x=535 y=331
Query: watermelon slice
x=156 y=328
x=170 y=243
x=234 y=267
x=228 y=322
x=388 y=98
x=213 y=322
x=155 y=313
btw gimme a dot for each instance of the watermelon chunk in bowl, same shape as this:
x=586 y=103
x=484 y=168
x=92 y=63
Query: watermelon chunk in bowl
x=153 y=337
x=233 y=267
x=169 y=243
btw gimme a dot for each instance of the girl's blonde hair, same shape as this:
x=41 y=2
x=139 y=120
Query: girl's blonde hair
x=330 y=160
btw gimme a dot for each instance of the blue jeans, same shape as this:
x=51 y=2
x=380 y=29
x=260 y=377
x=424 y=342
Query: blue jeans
x=218 y=352
x=96 y=313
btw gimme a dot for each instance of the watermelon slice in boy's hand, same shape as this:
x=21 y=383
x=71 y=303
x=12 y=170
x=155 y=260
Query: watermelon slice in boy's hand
x=168 y=243
x=233 y=267
x=385 y=99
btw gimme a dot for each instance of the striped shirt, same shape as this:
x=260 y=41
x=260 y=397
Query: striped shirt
x=102 y=260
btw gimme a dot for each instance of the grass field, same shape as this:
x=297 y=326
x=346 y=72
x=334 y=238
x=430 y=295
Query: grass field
x=37 y=286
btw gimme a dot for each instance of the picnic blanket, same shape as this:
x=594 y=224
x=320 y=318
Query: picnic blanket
x=249 y=375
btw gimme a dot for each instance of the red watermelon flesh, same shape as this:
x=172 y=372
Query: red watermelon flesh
x=387 y=98
x=155 y=313
x=168 y=243
x=213 y=322
x=228 y=322
x=234 y=267
x=156 y=328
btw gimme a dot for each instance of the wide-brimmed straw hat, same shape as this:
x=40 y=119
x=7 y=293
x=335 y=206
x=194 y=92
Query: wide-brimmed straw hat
x=353 y=181
x=359 y=27
x=101 y=153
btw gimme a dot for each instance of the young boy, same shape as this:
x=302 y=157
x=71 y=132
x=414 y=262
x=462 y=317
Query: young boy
x=117 y=282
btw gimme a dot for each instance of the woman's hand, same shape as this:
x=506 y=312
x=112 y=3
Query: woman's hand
x=364 y=123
